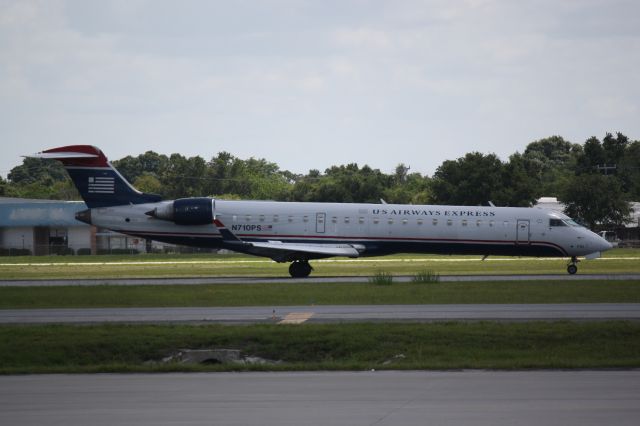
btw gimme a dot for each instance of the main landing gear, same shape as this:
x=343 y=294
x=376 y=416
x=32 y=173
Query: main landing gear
x=572 y=268
x=300 y=269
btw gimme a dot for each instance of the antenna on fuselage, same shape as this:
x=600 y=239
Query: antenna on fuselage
x=491 y=203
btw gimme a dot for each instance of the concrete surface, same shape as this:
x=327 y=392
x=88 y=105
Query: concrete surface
x=563 y=398
x=341 y=313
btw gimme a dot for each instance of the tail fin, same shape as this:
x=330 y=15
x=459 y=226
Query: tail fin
x=99 y=184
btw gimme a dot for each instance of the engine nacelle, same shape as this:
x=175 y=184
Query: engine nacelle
x=186 y=211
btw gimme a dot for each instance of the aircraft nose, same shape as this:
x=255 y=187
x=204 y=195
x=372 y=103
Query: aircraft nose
x=602 y=245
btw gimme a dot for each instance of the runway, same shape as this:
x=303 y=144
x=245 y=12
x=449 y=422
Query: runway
x=309 y=280
x=323 y=314
x=491 y=398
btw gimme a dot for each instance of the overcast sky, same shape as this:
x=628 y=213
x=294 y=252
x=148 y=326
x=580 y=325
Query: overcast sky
x=310 y=84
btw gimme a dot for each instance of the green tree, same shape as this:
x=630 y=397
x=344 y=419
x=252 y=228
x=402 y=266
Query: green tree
x=596 y=200
x=343 y=184
x=630 y=168
x=35 y=170
x=184 y=177
x=150 y=162
x=551 y=162
x=149 y=183
x=471 y=180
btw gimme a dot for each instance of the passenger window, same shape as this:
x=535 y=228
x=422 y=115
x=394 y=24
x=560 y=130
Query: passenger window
x=361 y=220
x=290 y=218
x=376 y=220
x=248 y=217
x=346 y=220
x=261 y=218
x=449 y=222
x=478 y=222
x=491 y=223
x=390 y=221
x=435 y=222
x=275 y=218
x=334 y=219
x=306 y=219
x=464 y=222
x=404 y=221
x=419 y=221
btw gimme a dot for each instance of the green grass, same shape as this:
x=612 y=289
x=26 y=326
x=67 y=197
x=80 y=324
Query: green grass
x=425 y=277
x=381 y=278
x=49 y=267
x=283 y=294
x=124 y=348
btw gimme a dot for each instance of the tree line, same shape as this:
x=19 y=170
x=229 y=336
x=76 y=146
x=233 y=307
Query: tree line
x=596 y=180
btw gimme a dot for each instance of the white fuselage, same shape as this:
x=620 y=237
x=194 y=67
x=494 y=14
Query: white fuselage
x=374 y=228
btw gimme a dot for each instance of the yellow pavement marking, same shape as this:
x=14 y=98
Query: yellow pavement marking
x=296 y=317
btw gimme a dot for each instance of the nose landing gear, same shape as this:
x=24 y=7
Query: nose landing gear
x=300 y=269
x=572 y=268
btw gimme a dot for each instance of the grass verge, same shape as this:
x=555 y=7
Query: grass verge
x=285 y=294
x=48 y=267
x=129 y=348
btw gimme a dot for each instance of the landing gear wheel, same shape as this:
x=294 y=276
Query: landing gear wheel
x=572 y=268
x=300 y=269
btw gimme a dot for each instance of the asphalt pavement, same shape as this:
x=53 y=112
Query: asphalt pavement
x=331 y=313
x=479 y=398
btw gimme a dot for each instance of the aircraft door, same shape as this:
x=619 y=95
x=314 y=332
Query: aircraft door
x=320 y=222
x=522 y=232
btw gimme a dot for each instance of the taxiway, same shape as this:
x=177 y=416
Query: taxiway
x=342 y=313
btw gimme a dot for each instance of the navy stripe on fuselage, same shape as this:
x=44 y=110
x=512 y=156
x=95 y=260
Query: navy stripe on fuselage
x=374 y=245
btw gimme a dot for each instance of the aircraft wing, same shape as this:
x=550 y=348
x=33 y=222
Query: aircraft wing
x=283 y=251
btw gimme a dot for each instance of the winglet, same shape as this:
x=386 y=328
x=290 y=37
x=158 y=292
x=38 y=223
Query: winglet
x=227 y=236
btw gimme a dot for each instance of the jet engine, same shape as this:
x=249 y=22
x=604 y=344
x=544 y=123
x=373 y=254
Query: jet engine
x=185 y=211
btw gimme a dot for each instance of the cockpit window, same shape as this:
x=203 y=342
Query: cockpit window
x=563 y=222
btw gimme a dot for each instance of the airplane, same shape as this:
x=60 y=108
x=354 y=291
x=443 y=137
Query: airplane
x=298 y=232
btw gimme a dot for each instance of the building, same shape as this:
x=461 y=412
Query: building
x=42 y=227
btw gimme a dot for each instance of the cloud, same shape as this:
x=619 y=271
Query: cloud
x=344 y=79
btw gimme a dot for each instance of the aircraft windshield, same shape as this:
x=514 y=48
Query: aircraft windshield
x=563 y=222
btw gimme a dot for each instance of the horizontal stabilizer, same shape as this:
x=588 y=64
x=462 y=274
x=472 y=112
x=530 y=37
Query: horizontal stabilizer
x=61 y=155
x=75 y=156
x=99 y=184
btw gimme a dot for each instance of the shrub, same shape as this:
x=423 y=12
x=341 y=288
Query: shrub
x=83 y=251
x=426 y=276
x=381 y=278
x=19 y=252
